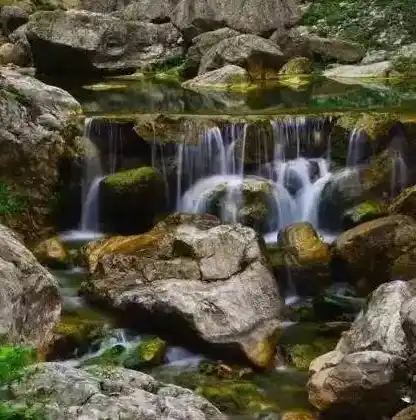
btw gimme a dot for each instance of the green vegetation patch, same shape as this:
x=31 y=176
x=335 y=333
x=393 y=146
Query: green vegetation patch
x=10 y=202
x=13 y=360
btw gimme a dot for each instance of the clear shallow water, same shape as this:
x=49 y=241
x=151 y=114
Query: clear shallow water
x=119 y=96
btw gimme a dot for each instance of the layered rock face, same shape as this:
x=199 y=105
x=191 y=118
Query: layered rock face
x=29 y=297
x=37 y=134
x=371 y=369
x=209 y=283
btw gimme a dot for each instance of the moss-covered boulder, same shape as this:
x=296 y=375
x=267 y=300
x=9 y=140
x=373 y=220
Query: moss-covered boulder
x=377 y=251
x=301 y=259
x=77 y=331
x=296 y=72
x=130 y=200
x=363 y=212
x=149 y=352
x=405 y=203
x=52 y=253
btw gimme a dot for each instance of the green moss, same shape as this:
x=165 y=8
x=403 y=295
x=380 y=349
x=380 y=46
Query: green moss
x=113 y=356
x=147 y=353
x=124 y=180
x=363 y=212
x=406 y=66
x=13 y=360
x=9 y=411
x=297 y=66
x=10 y=202
x=236 y=397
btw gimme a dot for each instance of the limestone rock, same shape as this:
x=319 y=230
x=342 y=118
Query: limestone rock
x=37 y=134
x=258 y=55
x=91 y=43
x=194 y=17
x=202 y=44
x=52 y=253
x=227 y=76
x=209 y=285
x=29 y=297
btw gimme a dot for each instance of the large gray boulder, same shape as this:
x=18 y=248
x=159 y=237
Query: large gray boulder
x=299 y=42
x=66 y=393
x=369 y=370
x=260 y=17
x=11 y=18
x=87 y=44
x=30 y=306
x=258 y=55
x=202 y=44
x=208 y=283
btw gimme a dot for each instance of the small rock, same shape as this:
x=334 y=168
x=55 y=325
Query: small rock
x=13 y=54
x=379 y=70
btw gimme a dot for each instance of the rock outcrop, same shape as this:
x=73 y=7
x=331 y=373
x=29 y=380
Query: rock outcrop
x=369 y=370
x=29 y=297
x=91 y=44
x=209 y=283
x=37 y=134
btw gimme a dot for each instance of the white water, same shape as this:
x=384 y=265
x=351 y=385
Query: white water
x=215 y=168
x=356 y=145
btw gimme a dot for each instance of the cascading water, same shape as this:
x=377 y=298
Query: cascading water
x=220 y=180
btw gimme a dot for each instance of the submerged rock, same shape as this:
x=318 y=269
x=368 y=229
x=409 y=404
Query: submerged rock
x=63 y=392
x=376 y=252
x=368 y=372
x=149 y=352
x=229 y=76
x=259 y=56
x=30 y=306
x=207 y=285
x=130 y=200
x=91 y=44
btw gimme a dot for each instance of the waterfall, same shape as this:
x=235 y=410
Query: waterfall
x=287 y=174
x=90 y=209
x=356 y=146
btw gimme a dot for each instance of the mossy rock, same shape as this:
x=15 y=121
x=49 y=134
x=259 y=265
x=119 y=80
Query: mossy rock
x=405 y=66
x=330 y=307
x=301 y=343
x=236 y=397
x=75 y=334
x=130 y=200
x=363 y=212
x=52 y=253
x=298 y=415
x=149 y=352
x=223 y=371
x=296 y=72
x=302 y=255
x=113 y=356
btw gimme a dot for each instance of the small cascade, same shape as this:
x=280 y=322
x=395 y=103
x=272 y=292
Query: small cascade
x=286 y=173
x=90 y=209
x=356 y=145
x=399 y=168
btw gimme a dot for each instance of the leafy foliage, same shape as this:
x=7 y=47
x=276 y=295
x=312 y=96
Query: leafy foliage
x=383 y=24
x=13 y=360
